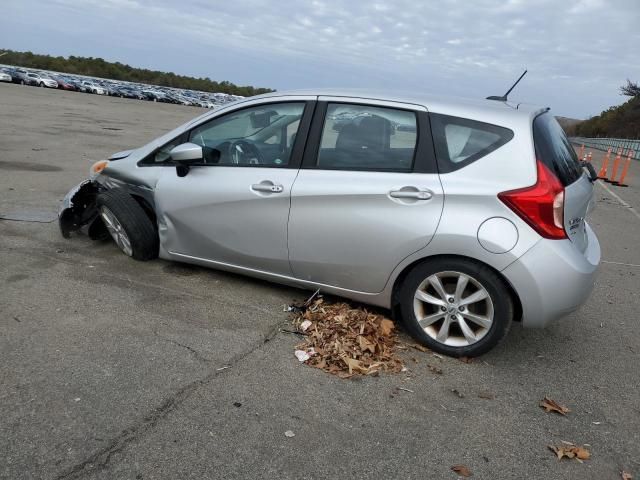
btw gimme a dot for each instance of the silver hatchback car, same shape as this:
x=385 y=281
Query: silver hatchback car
x=460 y=216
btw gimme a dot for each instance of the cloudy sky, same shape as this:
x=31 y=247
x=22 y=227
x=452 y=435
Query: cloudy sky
x=578 y=52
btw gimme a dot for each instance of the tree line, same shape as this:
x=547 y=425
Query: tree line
x=98 y=67
x=622 y=121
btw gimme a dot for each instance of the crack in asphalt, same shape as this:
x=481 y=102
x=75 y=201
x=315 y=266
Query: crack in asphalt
x=101 y=459
x=196 y=354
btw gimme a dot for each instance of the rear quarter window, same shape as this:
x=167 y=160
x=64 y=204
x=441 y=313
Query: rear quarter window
x=459 y=141
x=554 y=149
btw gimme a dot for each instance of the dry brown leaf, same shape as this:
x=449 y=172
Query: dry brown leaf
x=552 y=406
x=386 y=327
x=366 y=344
x=462 y=470
x=417 y=346
x=570 y=451
x=466 y=359
x=626 y=475
x=434 y=369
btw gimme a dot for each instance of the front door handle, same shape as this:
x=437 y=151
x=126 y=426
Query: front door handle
x=267 y=187
x=414 y=194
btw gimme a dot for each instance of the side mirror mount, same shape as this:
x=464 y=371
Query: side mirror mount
x=185 y=155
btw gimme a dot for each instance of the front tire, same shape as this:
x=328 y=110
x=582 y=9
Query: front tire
x=128 y=224
x=455 y=306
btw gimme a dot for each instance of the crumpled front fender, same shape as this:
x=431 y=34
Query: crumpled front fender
x=78 y=210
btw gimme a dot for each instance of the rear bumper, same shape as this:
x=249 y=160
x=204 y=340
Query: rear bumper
x=553 y=279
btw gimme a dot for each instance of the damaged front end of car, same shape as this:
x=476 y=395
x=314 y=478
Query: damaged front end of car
x=78 y=211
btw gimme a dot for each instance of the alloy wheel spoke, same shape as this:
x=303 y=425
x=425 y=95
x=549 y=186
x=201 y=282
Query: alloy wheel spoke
x=107 y=218
x=435 y=282
x=466 y=330
x=126 y=244
x=116 y=231
x=443 y=334
x=474 y=297
x=425 y=297
x=478 y=319
x=460 y=286
x=431 y=319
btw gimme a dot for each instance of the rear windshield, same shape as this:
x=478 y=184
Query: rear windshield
x=554 y=149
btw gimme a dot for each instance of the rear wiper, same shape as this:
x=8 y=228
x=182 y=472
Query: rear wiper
x=593 y=176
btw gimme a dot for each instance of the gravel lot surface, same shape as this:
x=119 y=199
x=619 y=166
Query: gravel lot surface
x=112 y=369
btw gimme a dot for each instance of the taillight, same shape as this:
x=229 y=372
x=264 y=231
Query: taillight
x=540 y=205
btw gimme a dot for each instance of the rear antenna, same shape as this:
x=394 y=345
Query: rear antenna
x=503 y=98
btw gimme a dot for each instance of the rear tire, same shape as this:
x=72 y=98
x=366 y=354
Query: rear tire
x=472 y=313
x=128 y=224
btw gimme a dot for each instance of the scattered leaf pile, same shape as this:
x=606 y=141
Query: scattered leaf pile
x=344 y=340
x=552 y=406
x=569 y=450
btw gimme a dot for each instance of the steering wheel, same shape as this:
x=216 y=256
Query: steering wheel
x=245 y=153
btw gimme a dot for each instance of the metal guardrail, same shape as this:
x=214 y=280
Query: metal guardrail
x=604 y=144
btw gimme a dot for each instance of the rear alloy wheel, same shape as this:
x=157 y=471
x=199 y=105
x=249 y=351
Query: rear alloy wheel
x=455 y=306
x=128 y=224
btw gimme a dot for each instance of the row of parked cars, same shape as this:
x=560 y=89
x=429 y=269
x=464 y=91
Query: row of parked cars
x=116 y=88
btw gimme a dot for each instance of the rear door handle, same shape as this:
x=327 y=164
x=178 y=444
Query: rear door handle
x=415 y=194
x=267 y=187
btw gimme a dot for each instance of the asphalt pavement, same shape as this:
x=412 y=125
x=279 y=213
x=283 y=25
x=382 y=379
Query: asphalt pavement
x=116 y=369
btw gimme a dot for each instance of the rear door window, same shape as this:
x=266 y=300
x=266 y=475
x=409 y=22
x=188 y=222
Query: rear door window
x=554 y=149
x=366 y=137
x=459 y=141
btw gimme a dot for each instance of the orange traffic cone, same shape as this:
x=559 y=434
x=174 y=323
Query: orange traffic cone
x=614 y=170
x=620 y=183
x=602 y=174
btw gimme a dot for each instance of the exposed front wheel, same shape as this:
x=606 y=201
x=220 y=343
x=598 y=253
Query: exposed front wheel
x=41 y=85
x=455 y=306
x=128 y=224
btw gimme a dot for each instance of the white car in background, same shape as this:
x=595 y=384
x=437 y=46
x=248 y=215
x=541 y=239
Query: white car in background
x=39 y=80
x=5 y=77
x=91 y=87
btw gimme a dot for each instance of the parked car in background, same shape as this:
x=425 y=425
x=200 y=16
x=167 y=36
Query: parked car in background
x=5 y=76
x=91 y=87
x=123 y=89
x=267 y=187
x=40 y=80
x=65 y=84
x=19 y=75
